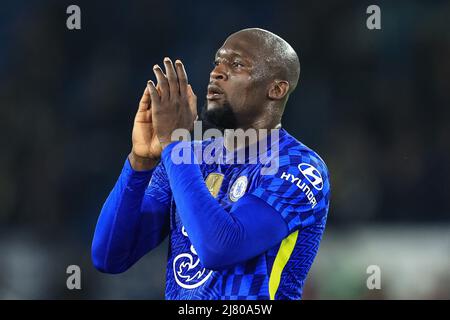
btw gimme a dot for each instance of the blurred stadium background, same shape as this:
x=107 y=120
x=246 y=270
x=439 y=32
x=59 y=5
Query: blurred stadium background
x=374 y=104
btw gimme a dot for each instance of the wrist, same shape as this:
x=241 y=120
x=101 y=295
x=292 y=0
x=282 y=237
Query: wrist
x=139 y=163
x=164 y=142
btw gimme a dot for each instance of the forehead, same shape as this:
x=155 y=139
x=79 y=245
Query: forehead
x=242 y=46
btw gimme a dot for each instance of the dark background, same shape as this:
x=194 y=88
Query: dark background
x=373 y=103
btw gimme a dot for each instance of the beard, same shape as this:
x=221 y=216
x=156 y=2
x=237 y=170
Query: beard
x=220 y=118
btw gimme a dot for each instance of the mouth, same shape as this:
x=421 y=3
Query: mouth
x=214 y=93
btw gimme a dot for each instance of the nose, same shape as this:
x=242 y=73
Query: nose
x=218 y=73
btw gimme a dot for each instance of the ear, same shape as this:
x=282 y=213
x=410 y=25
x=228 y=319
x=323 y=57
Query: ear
x=278 y=89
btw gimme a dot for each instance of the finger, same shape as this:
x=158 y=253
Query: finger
x=192 y=100
x=145 y=102
x=158 y=88
x=154 y=96
x=171 y=77
x=162 y=82
x=182 y=78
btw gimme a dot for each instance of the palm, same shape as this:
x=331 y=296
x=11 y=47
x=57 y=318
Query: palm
x=145 y=141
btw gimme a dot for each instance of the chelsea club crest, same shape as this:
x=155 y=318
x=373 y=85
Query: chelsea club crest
x=238 y=188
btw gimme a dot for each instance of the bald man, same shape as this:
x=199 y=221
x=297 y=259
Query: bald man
x=235 y=231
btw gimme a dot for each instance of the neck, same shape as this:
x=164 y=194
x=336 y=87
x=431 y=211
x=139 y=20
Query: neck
x=251 y=131
x=242 y=137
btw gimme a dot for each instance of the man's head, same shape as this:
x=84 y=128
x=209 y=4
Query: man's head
x=254 y=73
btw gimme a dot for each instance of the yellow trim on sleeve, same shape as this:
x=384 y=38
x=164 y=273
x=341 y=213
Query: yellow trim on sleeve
x=283 y=255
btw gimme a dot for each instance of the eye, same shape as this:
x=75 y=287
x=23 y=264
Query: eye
x=237 y=64
x=216 y=63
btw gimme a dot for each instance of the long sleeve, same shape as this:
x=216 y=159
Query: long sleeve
x=221 y=238
x=133 y=219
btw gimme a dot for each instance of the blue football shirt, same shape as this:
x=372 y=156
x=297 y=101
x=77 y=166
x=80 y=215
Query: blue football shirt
x=299 y=190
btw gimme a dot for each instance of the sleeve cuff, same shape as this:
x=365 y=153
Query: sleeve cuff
x=167 y=152
x=181 y=147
